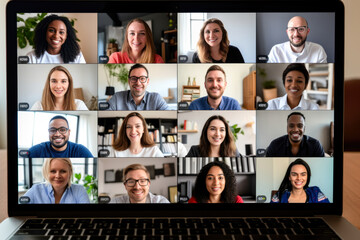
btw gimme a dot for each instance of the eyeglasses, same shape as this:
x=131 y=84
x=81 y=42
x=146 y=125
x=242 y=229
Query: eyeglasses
x=134 y=79
x=299 y=29
x=132 y=182
x=62 y=130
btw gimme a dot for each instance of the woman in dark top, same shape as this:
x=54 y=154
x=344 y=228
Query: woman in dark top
x=215 y=183
x=295 y=188
x=216 y=140
x=214 y=45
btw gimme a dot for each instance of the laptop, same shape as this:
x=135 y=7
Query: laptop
x=143 y=128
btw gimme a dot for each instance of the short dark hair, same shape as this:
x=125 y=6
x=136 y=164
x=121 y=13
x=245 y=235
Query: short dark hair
x=138 y=65
x=59 y=117
x=300 y=67
x=296 y=113
x=286 y=184
x=200 y=192
x=215 y=68
x=69 y=50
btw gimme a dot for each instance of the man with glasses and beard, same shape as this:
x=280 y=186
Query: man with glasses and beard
x=297 y=50
x=59 y=145
x=137 y=183
x=137 y=98
x=215 y=84
x=295 y=143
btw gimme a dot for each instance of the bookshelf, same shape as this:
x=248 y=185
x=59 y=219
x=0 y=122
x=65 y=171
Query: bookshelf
x=190 y=93
x=320 y=86
x=169 y=46
x=188 y=168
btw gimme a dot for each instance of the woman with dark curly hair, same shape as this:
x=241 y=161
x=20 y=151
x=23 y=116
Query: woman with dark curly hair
x=294 y=188
x=216 y=140
x=215 y=183
x=214 y=45
x=133 y=139
x=55 y=42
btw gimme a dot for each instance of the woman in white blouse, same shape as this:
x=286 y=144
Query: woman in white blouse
x=295 y=80
x=58 y=93
x=133 y=139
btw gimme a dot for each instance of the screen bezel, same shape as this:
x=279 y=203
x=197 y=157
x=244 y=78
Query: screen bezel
x=251 y=209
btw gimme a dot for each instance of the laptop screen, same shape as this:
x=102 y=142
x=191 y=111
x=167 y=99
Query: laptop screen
x=174 y=104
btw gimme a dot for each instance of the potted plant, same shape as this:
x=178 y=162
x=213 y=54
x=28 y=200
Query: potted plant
x=235 y=130
x=116 y=72
x=269 y=86
x=91 y=185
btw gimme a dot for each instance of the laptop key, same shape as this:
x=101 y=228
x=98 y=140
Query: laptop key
x=79 y=237
x=31 y=232
x=60 y=238
x=34 y=220
x=56 y=232
x=182 y=231
x=68 y=220
x=83 y=220
x=259 y=237
x=111 y=232
x=240 y=237
x=51 y=221
x=54 y=226
x=71 y=226
x=97 y=237
x=93 y=232
x=73 y=232
x=215 y=237
x=116 y=238
x=265 y=231
x=33 y=226
x=277 y=237
x=213 y=231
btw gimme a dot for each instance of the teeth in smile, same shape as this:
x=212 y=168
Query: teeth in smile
x=294 y=90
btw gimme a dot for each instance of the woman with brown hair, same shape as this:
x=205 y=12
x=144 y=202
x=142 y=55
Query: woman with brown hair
x=133 y=139
x=216 y=140
x=138 y=46
x=214 y=45
x=58 y=93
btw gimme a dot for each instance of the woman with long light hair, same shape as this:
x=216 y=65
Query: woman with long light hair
x=138 y=46
x=58 y=93
x=134 y=140
x=214 y=46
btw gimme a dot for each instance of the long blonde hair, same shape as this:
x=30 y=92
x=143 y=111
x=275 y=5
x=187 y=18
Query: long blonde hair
x=148 y=53
x=204 y=52
x=48 y=99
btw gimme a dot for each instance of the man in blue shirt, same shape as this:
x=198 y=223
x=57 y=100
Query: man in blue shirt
x=137 y=98
x=59 y=145
x=215 y=84
x=295 y=143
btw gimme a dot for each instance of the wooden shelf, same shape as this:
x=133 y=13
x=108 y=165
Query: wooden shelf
x=187 y=131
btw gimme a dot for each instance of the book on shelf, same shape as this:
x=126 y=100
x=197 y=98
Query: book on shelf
x=187 y=165
x=234 y=165
x=239 y=164
x=244 y=164
x=180 y=165
x=193 y=166
x=251 y=164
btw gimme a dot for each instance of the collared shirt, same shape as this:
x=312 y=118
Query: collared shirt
x=151 y=198
x=281 y=147
x=124 y=101
x=314 y=195
x=281 y=103
x=312 y=53
x=227 y=103
x=44 y=193
x=72 y=150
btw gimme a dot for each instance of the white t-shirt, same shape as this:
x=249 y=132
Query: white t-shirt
x=312 y=53
x=48 y=58
x=145 y=152
x=80 y=105
x=280 y=103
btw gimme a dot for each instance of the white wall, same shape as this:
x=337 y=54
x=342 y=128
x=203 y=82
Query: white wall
x=273 y=124
x=233 y=117
x=271 y=171
x=158 y=186
x=86 y=25
x=235 y=74
x=32 y=78
x=162 y=77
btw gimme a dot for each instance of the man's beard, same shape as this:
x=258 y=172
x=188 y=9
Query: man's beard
x=299 y=44
x=214 y=97
x=58 y=146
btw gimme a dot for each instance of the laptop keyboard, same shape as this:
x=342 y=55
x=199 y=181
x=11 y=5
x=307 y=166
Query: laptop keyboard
x=176 y=228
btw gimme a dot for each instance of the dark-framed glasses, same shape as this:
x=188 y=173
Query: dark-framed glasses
x=300 y=29
x=62 y=130
x=134 y=79
x=142 y=182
